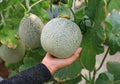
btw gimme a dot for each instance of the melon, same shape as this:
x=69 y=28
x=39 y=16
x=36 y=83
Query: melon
x=61 y=37
x=10 y=55
x=30 y=30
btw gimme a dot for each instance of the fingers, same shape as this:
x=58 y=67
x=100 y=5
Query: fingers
x=77 y=53
x=49 y=55
x=74 y=57
x=49 y=61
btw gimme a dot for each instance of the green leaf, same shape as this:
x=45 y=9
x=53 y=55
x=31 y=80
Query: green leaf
x=112 y=76
x=70 y=3
x=117 y=82
x=109 y=26
x=8 y=34
x=64 y=1
x=105 y=78
x=95 y=9
x=42 y=13
x=114 y=5
x=28 y=62
x=65 y=12
x=113 y=34
x=81 y=12
x=94 y=37
x=68 y=73
x=73 y=81
x=7 y=37
x=12 y=73
x=114 y=68
x=5 y=4
x=13 y=66
x=41 y=10
x=45 y=4
x=32 y=58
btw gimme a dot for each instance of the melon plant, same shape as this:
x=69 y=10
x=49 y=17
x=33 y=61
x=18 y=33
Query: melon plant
x=10 y=55
x=91 y=16
x=30 y=30
x=61 y=37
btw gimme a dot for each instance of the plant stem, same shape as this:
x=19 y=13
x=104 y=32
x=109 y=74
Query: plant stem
x=95 y=70
x=35 y=3
x=27 y=4
x=22 y=6
x=73 y=14
x=51 y=5
x=90 y=75
x=86 y=1
x=103 y=59
x=85 y=78
x=28 y=7
x=108 y=3
x=73 y=5
x=0 y=16
x=94 y=74
x=2 y=19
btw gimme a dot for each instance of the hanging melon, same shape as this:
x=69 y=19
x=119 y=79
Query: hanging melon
x=30 y=30
x=10 y=55
x=61 y=37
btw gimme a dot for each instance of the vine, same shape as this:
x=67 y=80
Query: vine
x=2 y=19
x=88 y=18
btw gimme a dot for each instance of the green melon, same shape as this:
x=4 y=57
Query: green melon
x=61 y=37
x=12 y=55
x=30 y=30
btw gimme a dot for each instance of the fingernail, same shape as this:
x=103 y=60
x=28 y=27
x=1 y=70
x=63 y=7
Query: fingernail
x=79 y=50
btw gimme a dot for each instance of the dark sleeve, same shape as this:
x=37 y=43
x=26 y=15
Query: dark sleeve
x=35 y=75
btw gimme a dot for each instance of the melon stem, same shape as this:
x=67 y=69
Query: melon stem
x=51 y=5
x=2 y=17
x=27 y=5
x=35 y=3
x=22 y=6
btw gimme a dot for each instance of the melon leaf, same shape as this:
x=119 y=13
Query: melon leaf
x=105 y=78
x=114 y=68
x=28 y=62
x=112 y=76
x=8 y=38
x=41 y=13
x=114 y=5
x=6 y=3
x=8 y=32
x=65 y=12
x=73 y=81
x=94 y=37
x=68 y=73
x=32 y=58
x=113 y=34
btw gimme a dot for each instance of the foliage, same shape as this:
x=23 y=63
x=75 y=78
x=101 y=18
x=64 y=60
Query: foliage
x=112 y=76
x=68 y=72
x=94 y=36
x=96 y=25
x=113 y=5
x=112 y=33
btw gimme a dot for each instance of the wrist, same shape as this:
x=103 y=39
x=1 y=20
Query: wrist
x=49 y=67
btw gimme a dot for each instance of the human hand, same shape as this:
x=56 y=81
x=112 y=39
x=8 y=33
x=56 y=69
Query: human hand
x=54 y=64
